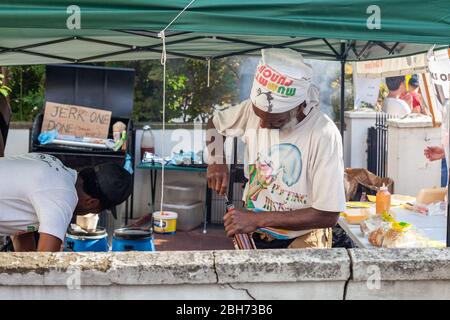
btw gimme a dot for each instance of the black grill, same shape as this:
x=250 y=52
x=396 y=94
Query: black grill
x=97 y=87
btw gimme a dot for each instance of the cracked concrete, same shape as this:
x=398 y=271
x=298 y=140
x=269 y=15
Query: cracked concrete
x=246 y=274
x=242 y=289
x=282 y=265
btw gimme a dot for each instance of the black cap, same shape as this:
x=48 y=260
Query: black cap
x=115 y=185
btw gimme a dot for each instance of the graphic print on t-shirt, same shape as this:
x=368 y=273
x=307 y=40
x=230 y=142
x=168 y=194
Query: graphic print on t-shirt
x=52 y=161
x=275 y=173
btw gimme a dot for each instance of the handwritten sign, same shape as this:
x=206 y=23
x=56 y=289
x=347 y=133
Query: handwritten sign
x=76 y=120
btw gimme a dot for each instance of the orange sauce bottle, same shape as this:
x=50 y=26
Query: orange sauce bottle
x=383 y=200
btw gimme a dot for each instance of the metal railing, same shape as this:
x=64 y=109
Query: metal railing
x=377 y=143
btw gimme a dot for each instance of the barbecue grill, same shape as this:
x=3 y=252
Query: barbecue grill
x=96 y=87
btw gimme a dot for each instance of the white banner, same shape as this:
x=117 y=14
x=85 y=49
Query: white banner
x=391 y=67
x=366 y=91
x=439 y=72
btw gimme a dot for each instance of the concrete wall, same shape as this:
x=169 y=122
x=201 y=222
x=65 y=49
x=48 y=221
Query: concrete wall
x=406 y=163
x=264 y=274
x=18 y=141
x=357 y=123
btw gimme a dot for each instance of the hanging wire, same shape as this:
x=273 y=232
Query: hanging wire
x=209 y=71
x=163 y=62
x=177 y=16
x=162 y=35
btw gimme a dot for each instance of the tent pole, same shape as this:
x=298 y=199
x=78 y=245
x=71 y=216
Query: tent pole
x=342 y=108
x=448 y=190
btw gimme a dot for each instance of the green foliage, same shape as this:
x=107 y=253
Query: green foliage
x=27 y=96
x=4 y=90
x=188 y=97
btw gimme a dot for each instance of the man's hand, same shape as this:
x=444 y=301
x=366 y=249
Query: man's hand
x=434 y=153
x=217 y=175
x=240 y=222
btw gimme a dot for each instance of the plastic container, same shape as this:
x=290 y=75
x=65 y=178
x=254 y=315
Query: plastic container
x=190 y=216
x=133 y=239
x=96 y=241
x=427 y=196
x=383 y=202
x=147 y=141
x=88 y=221
x=165 y=222
x=118 y=127
x=181 y=194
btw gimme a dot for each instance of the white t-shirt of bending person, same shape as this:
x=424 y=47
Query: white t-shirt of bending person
x=288 y=169
x=396 y=107
x=37 y=193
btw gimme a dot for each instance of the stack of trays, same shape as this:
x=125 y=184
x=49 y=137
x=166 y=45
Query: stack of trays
x=185 y=200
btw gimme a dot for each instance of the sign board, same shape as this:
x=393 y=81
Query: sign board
x=366 y=90
x=391 y=67
x=76 y=120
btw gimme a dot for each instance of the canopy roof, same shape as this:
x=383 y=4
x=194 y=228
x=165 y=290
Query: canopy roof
x=36 y=32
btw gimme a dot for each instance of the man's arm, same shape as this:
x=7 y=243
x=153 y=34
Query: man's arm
x=24 y=242
x=229 y=122
x=238 y=222
x=217 y=173
x=48 y=243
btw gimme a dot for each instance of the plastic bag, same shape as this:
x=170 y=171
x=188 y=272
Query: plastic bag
x=47 y=136
x=384 y=231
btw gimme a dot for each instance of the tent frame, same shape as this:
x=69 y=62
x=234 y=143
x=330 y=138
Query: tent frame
x=157 y=48
x=340 y=55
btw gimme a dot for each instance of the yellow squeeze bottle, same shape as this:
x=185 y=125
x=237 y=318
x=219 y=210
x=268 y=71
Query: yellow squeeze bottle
x=383 y=203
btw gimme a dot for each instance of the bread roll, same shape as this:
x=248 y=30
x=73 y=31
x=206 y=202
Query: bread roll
x=376 y=237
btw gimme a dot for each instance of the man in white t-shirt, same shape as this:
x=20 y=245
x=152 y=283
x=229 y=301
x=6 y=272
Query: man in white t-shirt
x=38 y=193
x=293 y=158
x=392 y=104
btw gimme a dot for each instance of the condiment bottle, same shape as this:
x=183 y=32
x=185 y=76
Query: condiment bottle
x=383 y=203
x=147 y=141
x=363 y=197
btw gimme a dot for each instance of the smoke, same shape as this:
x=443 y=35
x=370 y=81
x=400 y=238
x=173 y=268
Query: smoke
x=324 y=73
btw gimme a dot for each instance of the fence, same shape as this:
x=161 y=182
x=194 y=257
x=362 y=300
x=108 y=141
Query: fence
x=377 y=145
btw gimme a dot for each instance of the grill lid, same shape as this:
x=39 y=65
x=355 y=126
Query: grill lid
x=132 y=234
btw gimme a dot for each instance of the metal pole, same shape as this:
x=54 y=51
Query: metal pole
x=383 y=140
x=448 y=217
x=342 y=110
x=448 y=191
x=377 y=126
